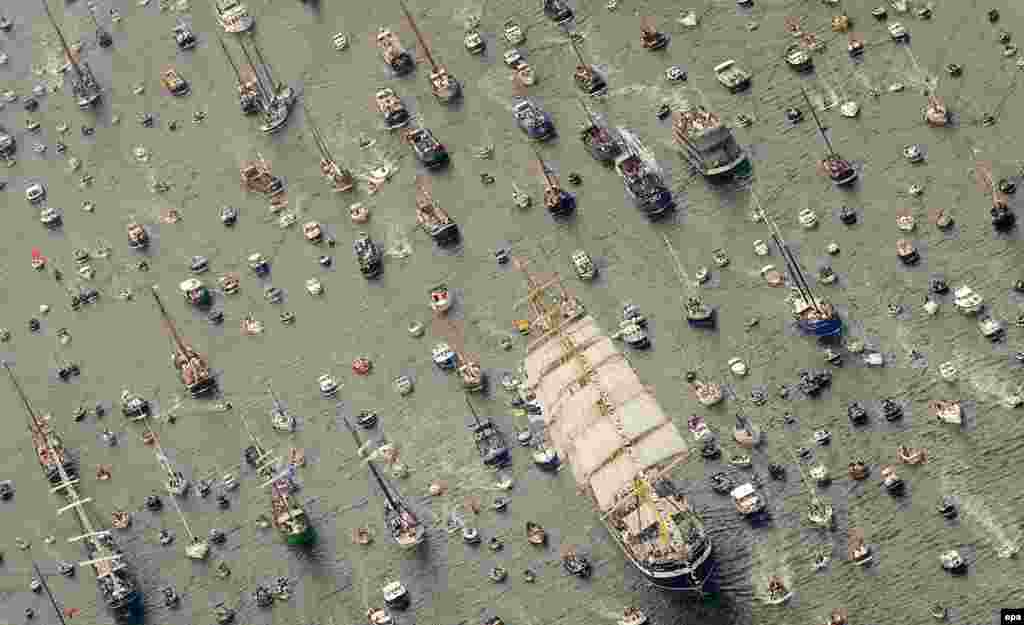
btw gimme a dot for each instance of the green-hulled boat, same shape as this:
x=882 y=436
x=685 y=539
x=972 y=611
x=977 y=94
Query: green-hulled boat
x=288 y=516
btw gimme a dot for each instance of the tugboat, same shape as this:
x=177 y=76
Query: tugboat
x=184 y=38
x=192 y=367
x=443 y=85
x=557 y=11
x=586 y=77
x=560 y=203
x=429 y=151
x=598 y=139
x=338 y=177
x=84 y=85
x=368 y=256
x=935 y=113
x=174 y=83
x=138 y=238
x=708 y=144
x=650 y=38
x=644 y=185
x=406 y=530
x=434 y=220
x=248 y=94
x=233 y=16
x=839 y=170
x=391 y=50
x=533 y=121
x=390 y=106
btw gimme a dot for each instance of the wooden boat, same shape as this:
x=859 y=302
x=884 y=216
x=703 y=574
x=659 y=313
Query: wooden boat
x=560 y=203
x=858 y=550
x=174 y=83
x=907 y=252
x=633 y=616
x=256 y=176
x=138 y=238
x=911 y=455
x=839 y=170
x=837 y=617
x=312 y=232
x=650 y=38
x=391 y=50
x=440 y=299
x=338 y=177
x=858 y=470
x=935 y=113
x=390 y=106
x=535 y=534
x=443 y=84
x=947 y=411
x=406 y=530
x=192 y=367
x=707 y=393
x=778 y=593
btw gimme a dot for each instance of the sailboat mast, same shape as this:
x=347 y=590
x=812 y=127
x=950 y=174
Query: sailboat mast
x=373 y=469
x=33 y=420
x=63 y=42
x=170 y=324
x=259 y=82
x=586 y=111
x=231 y=61
x=315 y=131
x=49 y=593
x=184 y=521
x=419 y=36
x=787 y=255
x=266 y=66
x=544 y=170
x=817 y=122
x=579 y=54
x=473 y=411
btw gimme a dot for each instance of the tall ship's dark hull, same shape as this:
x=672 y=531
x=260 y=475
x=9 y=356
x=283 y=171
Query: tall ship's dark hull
x=447 y=234
x=695 y=576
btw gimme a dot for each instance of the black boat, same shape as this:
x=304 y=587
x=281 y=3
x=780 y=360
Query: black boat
x=557 y=11
x=587 y=78
x=891 y=410
x=490 y=443
x=599 y=140
x=429 y=151
x=857 y=414
x=434 y=220
x=368 y=256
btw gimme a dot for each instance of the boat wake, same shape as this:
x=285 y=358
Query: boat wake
x=977 y=510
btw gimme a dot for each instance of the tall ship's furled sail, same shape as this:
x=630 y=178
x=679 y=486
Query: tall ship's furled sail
x=191 y=365
x=709 y=145
x=83 y=83
x=49 y=448
x=620 y=444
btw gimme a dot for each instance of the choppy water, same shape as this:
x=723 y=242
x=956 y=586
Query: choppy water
x=121 y=344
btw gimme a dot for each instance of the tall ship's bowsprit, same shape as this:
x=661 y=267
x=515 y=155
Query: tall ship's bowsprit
x=432 y=218
x=340 y=178
x=443 y=84
x=248 y=92
x=50 y=452
x=839 y=170
x=586 y=77
x=405 y=528
x=396 y=57
x=709 y=145
x=191 y=365
x=621 y=445
x=814 y=316
x=598 y=139
x=84 y=85
x=559 y=202
x=275 y=98
x=644 y=185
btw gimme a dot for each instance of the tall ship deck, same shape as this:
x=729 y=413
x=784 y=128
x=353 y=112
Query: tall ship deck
x=618 y=441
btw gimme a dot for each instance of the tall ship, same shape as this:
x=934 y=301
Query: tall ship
x=709 y=145
x=813 y=315
x=432 y=218
x=50 y=452
x=84 y=85
x=275 y=98
x=839 y=170
x=248 y=92
x=406 y=529
x=338 y=177
x=600 y=141
x=607 y=425
x=443 y=84
x=193 y=368
x=391 y=50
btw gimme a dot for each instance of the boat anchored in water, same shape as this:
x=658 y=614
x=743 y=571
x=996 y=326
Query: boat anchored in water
x=369 y=258
x=490 y=443
x=395 y=56
x=644 y=184
x=275 y=98
x=84 y=85
x=287 y=515
x=248 y=93
x=600 y=141
x=533 y=121
x=338 y=177
x=430 y=152
x=839 y=170
x=559 y=202
x=708 y=144
x=192 y=367
x=586 y=76
x=443 y=84
x=53 y=459
x=233 y=16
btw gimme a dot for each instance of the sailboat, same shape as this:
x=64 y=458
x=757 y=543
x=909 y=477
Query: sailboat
x=443 y=85
x=698 y=314
x=50 y=452
x=340 y=178
x=599 y=140
x=280 y=418
x=406 y=529
x=257 y=456
x=275 y=98
x=619 y=442
x=191 y=365
x=839 y=170
x=434 y=220
x=468 y=367
x=586 y=77
x=248 y=93
x=488 y=438
x=287 y=515
x=83 y=83
x=560 y=203
x=813 y=315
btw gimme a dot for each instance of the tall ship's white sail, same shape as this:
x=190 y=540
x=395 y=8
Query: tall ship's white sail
x=617 y=439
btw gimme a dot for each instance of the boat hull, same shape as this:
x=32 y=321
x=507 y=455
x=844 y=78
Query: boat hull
x=832 y=326
x=566 y=205
x=396 y=119
x=702 y=321
x=604 y=152
x=302 y=539
x=447 y=234
x=203 y=387
x=692 y=578
x=88 y=101
x=725 y=173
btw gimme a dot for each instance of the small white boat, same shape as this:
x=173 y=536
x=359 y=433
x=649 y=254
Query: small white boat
x=822 y=437
x=874 y=359
x=948 y=412
x=514 y=33
x=328 y=385
x=702 y=275
x=819 y=473
x=990 y=328
x=50 y=217
x=340 y=41
x=282 y=420
x=760 y=247
x=952 y=561
x=395 y=594
x=931 y=307
x=198 y=550
x=906 y=223
x=443 y=356
x=286 y=220
x=474 y=42
x=913 y=153
x=583 y=265
x=402 y=385
x=746 y=500
x=897 y=31
x=849 y=109
x=314 y=287
x=738 y=367
x=520 y=199
x=808 y=218
x=948 y=371
x=967 y=300
x=512 y=58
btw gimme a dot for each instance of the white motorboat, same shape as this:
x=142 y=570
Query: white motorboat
x=198 y=549
x=967 y=300
x=314 y=287
x=583 y=265
x=474 y=42
x=808 y=218
x=328 y=385
x=440 y=299
x=514 y=34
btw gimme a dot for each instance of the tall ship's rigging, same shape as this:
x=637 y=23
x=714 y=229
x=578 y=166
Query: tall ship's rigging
x=275 y=98
x=839 y=170
x=709 y=145
x=621 y=445
x=340 y=178
x=49 y=447
x=434 y=220
x=599 y=140
x=84 y=85
x=191 y=365
x=248 y=92
x=443 y=84
x=586 y=77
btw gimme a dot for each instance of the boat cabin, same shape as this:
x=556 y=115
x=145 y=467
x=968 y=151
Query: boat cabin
x=195 y=292
x=746 y=500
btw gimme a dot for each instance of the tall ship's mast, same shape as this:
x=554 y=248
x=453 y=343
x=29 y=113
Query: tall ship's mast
x=340 y=178
x=814 y=316
x=191 y=365
x=708 y=144
x=248 y=90
x=839 y=170
x=83 y=84
x=49 y=448
x=619 y=442
x=49 y=594
x=443 y=84
x=406 y=530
